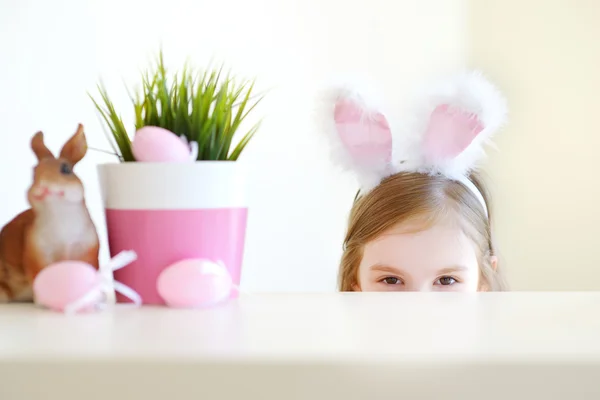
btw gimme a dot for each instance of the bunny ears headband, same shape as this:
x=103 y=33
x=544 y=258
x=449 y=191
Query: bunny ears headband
x=444 y=136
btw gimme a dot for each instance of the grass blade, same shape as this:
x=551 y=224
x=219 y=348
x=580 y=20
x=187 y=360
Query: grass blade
x=242 y=144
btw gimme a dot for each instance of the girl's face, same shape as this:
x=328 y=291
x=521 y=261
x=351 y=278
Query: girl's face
x=441 y=258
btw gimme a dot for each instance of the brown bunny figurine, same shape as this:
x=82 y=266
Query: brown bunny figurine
x=57 y=227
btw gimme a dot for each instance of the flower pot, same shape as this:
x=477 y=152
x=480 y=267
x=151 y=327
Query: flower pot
x=167 y=212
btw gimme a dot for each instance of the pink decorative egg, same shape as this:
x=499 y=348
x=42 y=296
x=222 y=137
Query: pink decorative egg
x=154 y=144
x=64 y=282
x=194 y=283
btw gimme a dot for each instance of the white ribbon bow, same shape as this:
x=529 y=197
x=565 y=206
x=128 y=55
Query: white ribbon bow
x=106 y=285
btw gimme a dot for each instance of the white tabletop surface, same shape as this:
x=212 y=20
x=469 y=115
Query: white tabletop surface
x=297 y=346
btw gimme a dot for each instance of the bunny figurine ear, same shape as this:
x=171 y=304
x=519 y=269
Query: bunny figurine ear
x=360 y=134
x=464 y=114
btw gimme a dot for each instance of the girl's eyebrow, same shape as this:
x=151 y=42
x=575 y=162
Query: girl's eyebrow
x=393 y=270
x=456 y=268
x=386 y=268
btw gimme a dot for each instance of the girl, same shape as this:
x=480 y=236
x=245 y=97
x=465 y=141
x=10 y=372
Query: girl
x=421 y=221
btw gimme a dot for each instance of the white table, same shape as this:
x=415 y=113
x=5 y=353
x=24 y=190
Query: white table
x=313 y=346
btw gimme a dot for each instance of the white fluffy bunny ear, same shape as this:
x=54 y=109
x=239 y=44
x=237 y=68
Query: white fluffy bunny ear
x=359 y=132
x=463 y=115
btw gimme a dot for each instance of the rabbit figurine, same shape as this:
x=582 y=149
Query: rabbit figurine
x=57 y=227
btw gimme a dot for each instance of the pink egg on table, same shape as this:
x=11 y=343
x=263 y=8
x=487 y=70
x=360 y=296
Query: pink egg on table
x=154 y=144
x=64 y=282
x=194 y=283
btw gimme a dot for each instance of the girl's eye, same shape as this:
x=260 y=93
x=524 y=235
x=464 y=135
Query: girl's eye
x=391 y=280
x=445 y=281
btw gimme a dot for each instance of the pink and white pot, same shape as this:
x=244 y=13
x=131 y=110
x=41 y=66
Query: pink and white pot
x=168 y=212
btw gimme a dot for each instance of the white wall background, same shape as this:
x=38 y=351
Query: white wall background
x=543 y=53
x=546 y=56
x=52 y=53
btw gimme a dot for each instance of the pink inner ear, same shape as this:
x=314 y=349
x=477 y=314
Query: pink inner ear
x=367 y=137
x=449 y=133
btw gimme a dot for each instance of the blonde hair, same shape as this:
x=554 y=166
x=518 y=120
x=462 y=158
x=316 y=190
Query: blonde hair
x=408 y=196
